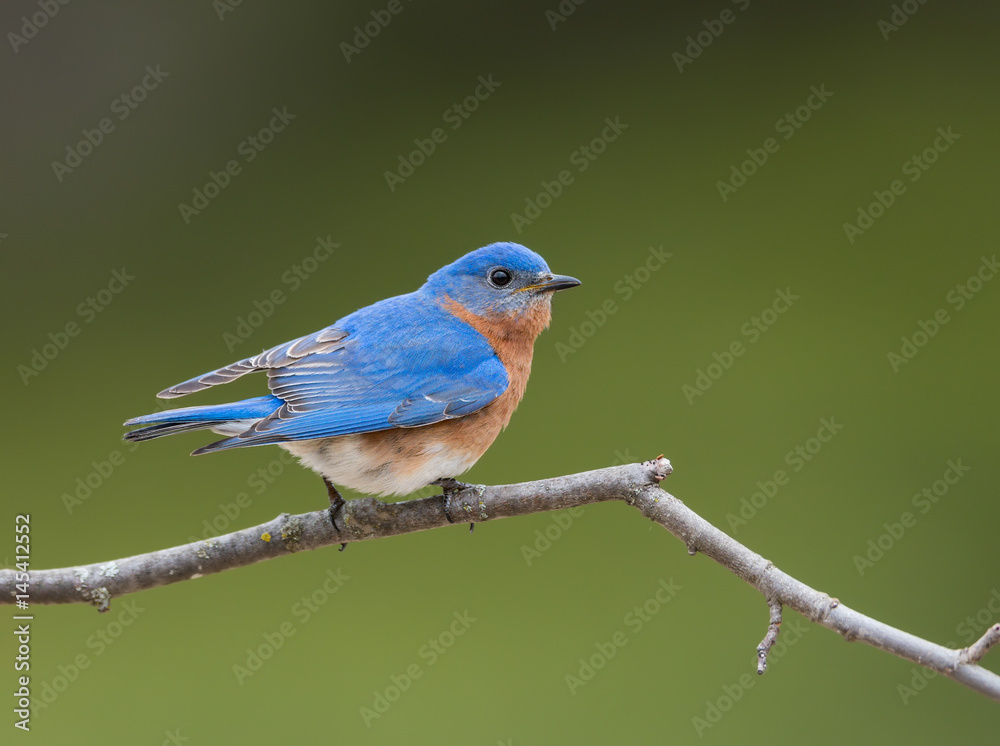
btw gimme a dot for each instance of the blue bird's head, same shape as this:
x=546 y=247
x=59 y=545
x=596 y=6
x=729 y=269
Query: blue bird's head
x=502 y=278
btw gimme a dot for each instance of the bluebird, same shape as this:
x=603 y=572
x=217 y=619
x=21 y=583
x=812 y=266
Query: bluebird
x=403 y=393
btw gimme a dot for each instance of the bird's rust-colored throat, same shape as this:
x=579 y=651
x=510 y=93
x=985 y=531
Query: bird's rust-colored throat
x=512 y=336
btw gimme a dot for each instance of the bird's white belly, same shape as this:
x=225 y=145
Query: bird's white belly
x=374 y=467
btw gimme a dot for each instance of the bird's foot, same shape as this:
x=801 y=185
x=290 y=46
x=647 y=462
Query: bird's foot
x=451 y=487
x=337 y=501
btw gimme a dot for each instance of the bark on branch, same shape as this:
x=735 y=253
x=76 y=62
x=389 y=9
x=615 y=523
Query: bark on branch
x=637 y=485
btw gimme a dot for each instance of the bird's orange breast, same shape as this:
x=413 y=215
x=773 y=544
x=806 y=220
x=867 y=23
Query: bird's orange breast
x=513 y=340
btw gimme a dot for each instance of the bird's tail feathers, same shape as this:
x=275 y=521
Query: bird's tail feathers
x=172 y=421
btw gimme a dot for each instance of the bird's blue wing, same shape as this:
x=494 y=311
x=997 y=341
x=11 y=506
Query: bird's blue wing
x=399 y=363
x=324 y=340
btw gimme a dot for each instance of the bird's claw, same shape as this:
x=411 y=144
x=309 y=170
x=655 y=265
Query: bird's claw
x=336 y=503
x=449 y=488
x=450 y=485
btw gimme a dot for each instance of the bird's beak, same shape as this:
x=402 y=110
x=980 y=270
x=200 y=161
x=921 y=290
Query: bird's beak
x=551 y=283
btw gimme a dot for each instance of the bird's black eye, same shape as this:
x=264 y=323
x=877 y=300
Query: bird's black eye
x=499 y=277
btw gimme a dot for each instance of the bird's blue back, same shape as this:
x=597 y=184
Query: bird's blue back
x=405 y=362
x=401 y=362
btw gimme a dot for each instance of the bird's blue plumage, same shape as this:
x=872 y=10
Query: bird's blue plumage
x=401 y=362
x=197 y=418
x=404 y=362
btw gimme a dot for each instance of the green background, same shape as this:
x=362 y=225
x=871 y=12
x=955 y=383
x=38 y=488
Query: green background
x=619 y=395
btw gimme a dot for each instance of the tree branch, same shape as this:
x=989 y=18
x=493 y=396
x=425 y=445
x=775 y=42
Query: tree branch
x=368 y=518
x=770 y=637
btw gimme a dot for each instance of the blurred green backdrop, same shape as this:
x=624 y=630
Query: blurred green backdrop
x=863 y=101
